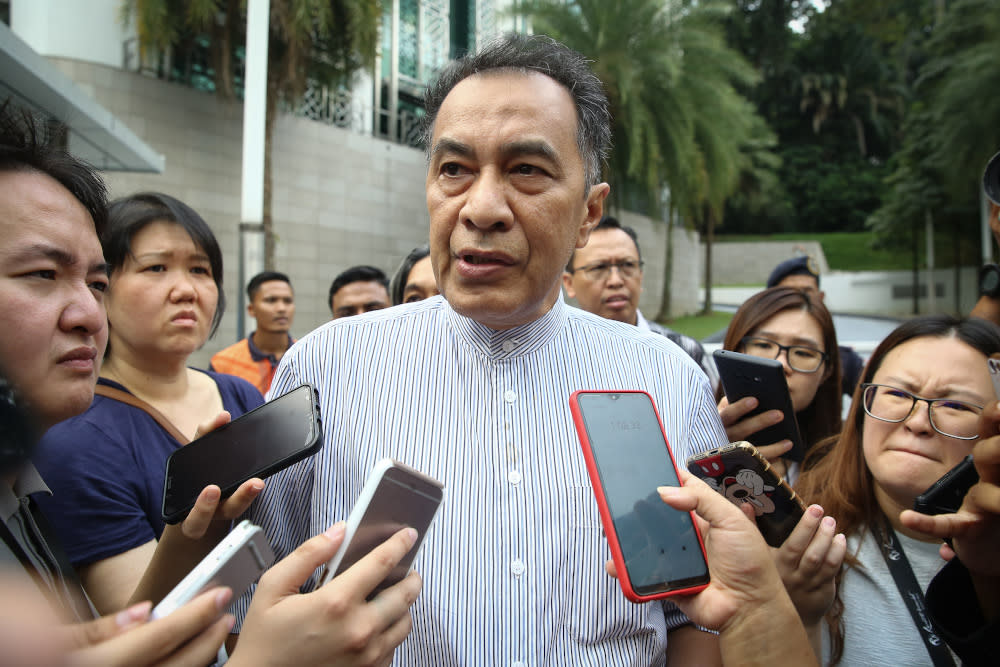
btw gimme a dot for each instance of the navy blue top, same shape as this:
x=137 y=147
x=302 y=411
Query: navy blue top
x=105 y=468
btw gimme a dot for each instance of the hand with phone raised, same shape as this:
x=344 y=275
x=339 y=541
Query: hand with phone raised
x=334 y=624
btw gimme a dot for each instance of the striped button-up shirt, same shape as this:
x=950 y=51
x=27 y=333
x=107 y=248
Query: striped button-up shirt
x=513 y=566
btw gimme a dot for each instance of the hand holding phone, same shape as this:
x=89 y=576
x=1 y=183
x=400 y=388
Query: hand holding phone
x=394 y=496
x=945 y=496
x=259 y=443
x=744 y=477
x=657 y=550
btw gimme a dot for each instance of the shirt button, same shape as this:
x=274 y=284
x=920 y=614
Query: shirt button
x=508 y=345
x=510 y=396
x=517 y=567
x=514 y=477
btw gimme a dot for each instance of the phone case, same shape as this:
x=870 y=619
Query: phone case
x=175 y=509
x=746 y=375
x=945 y=496
x=994 y=365
x=742 y=475
x=237 y=561
x=424 y=486
x=607 y=521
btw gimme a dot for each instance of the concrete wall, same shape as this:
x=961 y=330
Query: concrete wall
x=339 y=198
x=750 y=262
x=87 y=30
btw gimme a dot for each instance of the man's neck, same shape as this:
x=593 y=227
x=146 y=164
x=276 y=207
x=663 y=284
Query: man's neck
x=270 y=342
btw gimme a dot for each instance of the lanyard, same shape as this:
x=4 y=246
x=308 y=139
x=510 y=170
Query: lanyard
x=909 y=590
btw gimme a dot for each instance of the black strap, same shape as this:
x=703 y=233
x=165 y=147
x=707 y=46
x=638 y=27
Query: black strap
x=136 y=402
x=913 y=597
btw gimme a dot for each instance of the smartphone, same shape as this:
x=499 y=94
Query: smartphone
x=394 y=496
x=742 y=475
x=745 y=375
x=237 y=561
x=945 y=495
x=994 y=366
x=257 y=444
x=657 y=550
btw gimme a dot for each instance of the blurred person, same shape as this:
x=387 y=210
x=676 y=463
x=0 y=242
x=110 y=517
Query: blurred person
x=255 y=358
x=794 y=327
x=605 y=278
x=164 y=299
x=472 y=388
x=414 y=279
x=802 y=273
x=915 y=415
x=359 y=289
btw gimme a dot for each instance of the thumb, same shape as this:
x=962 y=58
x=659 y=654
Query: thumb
x=77 y=636
x=701 y=498
x=286 y=577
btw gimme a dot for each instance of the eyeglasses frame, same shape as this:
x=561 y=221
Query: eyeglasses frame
x=824 y=357
x=930 y=404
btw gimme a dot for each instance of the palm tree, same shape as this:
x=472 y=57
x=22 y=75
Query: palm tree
x=319 y=42
x=679 y=123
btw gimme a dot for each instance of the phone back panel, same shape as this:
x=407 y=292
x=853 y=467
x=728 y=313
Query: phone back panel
x=742 y=475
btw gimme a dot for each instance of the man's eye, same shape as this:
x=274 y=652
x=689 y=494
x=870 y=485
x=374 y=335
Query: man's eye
x=451 y=169
x=47 y=274
x=99 y=286
x=202 y=270
x=528 y=170
x=156 y=268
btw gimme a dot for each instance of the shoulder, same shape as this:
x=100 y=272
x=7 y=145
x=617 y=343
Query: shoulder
x=239 y=348
x=232 y=387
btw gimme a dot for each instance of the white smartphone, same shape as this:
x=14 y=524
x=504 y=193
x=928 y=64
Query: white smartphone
x=394 y=496
x=237 y=561
x=994 y=365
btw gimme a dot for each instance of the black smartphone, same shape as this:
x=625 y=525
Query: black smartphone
x=745 y=375
x=657 y=550
x=395 y=496
x=945 y=495
x=743 y=476
x=257 y=444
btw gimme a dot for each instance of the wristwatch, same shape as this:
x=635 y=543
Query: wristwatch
x=989 y=281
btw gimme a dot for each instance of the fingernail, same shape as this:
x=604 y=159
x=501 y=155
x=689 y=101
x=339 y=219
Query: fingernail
x=752 y=402
x=816 y=511
x=666 y=491
x=336 y=531
x=137 y=613
x=829 y=522
x=222 y=598
x=777 y=417
x=230 y=622
x=258 y=485
x=411 y=535
x=839 y=537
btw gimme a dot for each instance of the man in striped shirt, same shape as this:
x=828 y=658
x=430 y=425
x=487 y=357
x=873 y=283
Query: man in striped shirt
x=472 y=386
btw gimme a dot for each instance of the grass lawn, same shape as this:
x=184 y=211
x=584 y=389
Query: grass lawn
x=699 y=326
x=845 y=251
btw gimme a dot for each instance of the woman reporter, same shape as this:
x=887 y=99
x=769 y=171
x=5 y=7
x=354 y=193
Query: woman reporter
x=106 y=466
x=914 y=416
x=795 y=328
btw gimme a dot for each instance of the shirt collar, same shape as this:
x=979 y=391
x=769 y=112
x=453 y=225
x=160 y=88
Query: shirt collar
x=509 y=343
x=257 y=355
x=641 y=322
x=28 y=481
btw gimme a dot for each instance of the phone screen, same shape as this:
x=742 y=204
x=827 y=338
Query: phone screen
x=401 y=499
x=659 y=545
x=256 y=444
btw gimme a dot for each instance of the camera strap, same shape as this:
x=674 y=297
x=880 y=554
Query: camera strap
x=909 y=590
x=136 y=402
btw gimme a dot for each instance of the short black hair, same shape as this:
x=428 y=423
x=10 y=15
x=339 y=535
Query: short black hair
x=803 y=265
x=398 y=284
x=128 y=215
x=609 y=222
x=357 y=274
x=27 y=144
x=264 y=277
x=542 y=54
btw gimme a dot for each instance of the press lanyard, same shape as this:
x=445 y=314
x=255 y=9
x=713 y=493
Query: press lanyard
x=913 y=597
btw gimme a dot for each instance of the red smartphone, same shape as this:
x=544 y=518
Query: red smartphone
x=657 y=550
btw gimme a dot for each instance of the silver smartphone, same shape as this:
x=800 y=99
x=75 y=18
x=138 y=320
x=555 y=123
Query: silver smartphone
x=236 y=562
x=395 y=496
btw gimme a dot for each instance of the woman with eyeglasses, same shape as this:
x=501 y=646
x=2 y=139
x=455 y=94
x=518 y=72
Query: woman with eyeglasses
x=915 y=415
x=794 y=327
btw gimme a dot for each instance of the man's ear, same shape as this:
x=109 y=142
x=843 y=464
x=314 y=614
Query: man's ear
x=593 y=213
x=250 y=310
x=568 y=284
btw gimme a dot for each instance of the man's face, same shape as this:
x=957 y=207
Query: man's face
x=506 y=196
x=273 y=307
x=615 y=295
x=802 y=282
x=52 y=283
x=359 y=297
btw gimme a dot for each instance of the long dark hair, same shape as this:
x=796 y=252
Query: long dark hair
x=129 y=215
x=821 y=418
x=835 y=473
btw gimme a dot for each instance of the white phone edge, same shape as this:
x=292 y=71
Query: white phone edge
x=357 y=513
x=994 y=366
x=196 y=580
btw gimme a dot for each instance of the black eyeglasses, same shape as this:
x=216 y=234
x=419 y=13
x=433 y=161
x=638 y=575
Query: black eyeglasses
x=628 y=268
x=955 y=419
x=800 y=357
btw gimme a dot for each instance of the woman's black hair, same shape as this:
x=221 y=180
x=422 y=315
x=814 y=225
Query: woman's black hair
x=398 y=285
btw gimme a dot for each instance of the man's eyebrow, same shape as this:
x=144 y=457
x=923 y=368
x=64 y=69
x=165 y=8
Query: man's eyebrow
x=529 y=147
x=452 y=146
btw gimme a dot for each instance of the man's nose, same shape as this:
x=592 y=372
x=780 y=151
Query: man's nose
x=486 y=205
